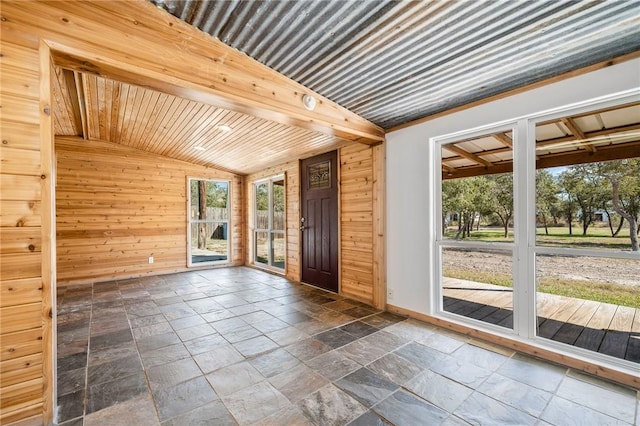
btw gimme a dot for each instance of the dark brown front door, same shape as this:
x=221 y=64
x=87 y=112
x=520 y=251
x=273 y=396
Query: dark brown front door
x=319 y=221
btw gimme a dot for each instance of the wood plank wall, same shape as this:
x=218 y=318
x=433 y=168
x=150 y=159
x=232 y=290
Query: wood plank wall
x=24 y=354
x=116 y=206
x=291 y=170
x=361 y=221
x=105 y=32
x=356 y=222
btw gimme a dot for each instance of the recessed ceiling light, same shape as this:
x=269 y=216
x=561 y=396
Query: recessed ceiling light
x=224 y=128
x=199 y=148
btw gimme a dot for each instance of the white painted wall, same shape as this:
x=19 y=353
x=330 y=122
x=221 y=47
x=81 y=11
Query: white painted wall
x=409 y=239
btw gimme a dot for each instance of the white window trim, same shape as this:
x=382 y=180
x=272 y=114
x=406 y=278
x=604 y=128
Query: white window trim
x=524 y=245
x=268 y=266
x=228 y=261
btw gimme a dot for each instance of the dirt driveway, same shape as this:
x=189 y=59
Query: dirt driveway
x=616 y=271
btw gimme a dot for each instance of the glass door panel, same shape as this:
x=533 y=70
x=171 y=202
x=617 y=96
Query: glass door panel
x=476 y=238
x=208 y=221
x=588 y=208
x=270 y=222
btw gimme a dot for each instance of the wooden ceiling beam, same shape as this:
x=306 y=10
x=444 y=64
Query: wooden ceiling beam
x=578 y=134
x=468 y=155
x=503 y=138
x=608 y=153
x=604 y=132
x=138 y=43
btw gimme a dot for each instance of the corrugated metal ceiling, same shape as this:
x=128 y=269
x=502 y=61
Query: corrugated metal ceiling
x=396 y=61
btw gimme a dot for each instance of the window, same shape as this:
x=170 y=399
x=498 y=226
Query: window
x=587 y=203
x=269 y=226
x=476 y=239
x=538 y=230
x=208 y=222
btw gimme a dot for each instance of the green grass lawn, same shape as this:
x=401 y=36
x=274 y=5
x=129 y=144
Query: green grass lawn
x=586 y=290
x=597 y=237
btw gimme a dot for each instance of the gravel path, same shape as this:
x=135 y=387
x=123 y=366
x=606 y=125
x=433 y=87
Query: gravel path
x=616 y=271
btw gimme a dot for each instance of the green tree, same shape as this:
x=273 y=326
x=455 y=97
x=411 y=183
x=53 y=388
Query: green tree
x=501 y=193
x=584 y=187
x=547 y=201
x=624 y=177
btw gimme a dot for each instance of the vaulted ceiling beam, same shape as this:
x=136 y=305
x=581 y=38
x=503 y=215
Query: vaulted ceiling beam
x=138 y=43
x=589 y=135
x=605 y=153
x=468 y=155
x=578 y=134
x=503 y=138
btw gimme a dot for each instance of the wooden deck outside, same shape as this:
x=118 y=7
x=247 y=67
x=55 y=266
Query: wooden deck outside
x=602 y=327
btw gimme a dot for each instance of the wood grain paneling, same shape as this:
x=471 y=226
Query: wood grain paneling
x=291 y=171
x=171 y=126
x=356 y=223
x=23 y=176
x=116 y=206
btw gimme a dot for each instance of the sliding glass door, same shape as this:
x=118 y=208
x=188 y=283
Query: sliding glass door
x=269 y=226
x=475 y=240
x=208 y=222
x=537 y=232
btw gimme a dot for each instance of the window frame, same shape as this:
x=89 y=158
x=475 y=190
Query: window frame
x=525 y=247
x=190 y=222
x=269 y=230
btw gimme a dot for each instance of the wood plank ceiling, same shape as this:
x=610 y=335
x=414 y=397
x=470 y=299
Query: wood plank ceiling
x=94 y=107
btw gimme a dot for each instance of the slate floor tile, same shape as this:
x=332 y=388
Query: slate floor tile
x=233 y=378
x=366 y=386
x=439 y=390
x=330 y=406
x=71 y=405
x=194 y=332
x=274 y=362
x=164 y=355
x=255 y=402
x=533 y=372
x=159 y=341
x=369 y=418
x=166 y=375
x=276 y=352
x=441 y=342
x=173 y=401
x=298 y=382
x=123 y=350
x=110 y=393
x=567 y=413
x=480 y=409
x=219 y=357
x=421 y=356
x=615 y=404
x=71 y=381
x=105 y=341
x=333 y=365
x=358 y=329
x=402 y=408
x=213 y=413
x=204 y=344
x=114 y=369
x=72 y=362
x=516 y=394
x=307 y=349
x=479 y=357
x=289 y=416
x=460 y=371
x=335 y=338
x=395 y=368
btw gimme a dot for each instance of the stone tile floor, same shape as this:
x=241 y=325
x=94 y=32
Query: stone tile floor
x=240 y=346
